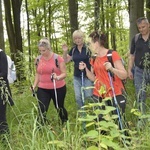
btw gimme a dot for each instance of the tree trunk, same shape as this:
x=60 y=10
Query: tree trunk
x=97 y=14
x=102 y=16
x=9 y=27
x=148 y=9
x=136 y=10
x=73 y=13
x=14 y=34
x=28 y=35
x=2 y=45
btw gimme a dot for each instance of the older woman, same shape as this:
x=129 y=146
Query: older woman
x=78 y=53
x=49 y=78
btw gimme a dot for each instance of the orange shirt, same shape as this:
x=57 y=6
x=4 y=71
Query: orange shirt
x=102 y=82
x=45 y=69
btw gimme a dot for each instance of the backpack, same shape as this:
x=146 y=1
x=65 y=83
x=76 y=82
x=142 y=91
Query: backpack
x=55 y=59
x=11 y=70
x=136 y=37
x=11 y=76
x=109 y=57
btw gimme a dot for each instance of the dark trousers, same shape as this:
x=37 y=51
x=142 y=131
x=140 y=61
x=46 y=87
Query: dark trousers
x=44 y=97
x=3 y=121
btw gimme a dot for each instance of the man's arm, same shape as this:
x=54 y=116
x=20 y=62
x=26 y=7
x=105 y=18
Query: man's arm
x=130 y=66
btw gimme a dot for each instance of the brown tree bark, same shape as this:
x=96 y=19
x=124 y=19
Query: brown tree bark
x=73 y=13
x=13 y=26
x=136 y=10
x=148 y=9
x=2 y=45
x=9 y=27
x=97 y=15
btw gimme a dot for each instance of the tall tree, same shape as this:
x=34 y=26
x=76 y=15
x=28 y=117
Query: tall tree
x=148 y=9
x=73 y=13
x=13 y=25
x=136 y=10
x=2 y=46
x=97 y=14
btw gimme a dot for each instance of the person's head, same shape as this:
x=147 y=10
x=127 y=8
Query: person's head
x=78 y=37
x=143 y=25
x=44 y=46
x=97 y=39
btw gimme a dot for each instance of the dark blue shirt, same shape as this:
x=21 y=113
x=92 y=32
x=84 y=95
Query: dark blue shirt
x=141 y=50
x=78 y=56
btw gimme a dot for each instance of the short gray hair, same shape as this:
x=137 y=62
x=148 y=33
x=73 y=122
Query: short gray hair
x=139 y=20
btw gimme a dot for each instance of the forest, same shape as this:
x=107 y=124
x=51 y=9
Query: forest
x=22 y=24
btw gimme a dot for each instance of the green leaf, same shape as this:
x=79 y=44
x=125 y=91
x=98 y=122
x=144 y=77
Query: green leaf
x=92 y=148
x=91 y=134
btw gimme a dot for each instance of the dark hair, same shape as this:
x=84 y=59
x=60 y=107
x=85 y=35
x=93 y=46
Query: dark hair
x=100 y=37
x=139 y=20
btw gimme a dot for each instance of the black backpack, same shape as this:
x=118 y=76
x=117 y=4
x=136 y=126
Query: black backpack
x=109 y=57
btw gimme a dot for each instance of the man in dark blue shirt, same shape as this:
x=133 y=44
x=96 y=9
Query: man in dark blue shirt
x=140 y=59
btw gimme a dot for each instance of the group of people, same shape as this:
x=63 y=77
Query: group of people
x=91 y=71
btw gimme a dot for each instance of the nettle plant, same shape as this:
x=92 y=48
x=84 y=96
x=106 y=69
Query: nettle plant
x=101 y=127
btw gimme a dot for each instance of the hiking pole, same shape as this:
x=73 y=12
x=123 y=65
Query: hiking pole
x=55 y=91
x=33 y=92
x=82 y=94
x=54 y=81
x=116 y=105
x=115 y=100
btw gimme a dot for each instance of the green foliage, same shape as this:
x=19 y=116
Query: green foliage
x=24 y=133
x=105 y=133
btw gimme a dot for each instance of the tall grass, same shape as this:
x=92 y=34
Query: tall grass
x=25 y=135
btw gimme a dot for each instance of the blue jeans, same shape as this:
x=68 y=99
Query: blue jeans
x=141 y=79
x=77 y=88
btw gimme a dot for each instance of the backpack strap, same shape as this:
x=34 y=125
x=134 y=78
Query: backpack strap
x=136 y=37
x=109 y=57
x=38 y=60
x=56 y=60
x=73 y=49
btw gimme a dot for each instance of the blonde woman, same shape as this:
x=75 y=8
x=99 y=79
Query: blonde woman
x=79 y=53
x=49 y=78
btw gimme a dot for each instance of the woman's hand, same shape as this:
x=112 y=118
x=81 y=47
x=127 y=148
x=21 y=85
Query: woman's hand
x=82 y=65
x=65 y=47
x=108 y=66
x=54 y=76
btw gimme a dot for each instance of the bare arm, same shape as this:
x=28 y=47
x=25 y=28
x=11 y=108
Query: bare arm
x=118 y=69
x=89 y=73
x=36 y=80
x=130 y=66
x=66 y=57
x=63 y=72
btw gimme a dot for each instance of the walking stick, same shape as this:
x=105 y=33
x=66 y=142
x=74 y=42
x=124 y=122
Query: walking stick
x=54 y=81
x=82 y=94
x=116 y=105
x=115 y=100
x=55 y=91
